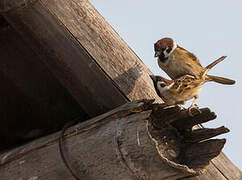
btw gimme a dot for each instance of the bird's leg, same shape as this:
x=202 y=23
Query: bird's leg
x=179 y=104
x=194 y=106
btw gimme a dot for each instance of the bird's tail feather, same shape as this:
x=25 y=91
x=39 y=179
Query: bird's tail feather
x=210 y=66
x=217 y=79
x=220 y=80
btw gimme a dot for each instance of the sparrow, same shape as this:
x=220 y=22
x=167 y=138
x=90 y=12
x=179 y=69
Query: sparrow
x=177 y=62
x=177 y=92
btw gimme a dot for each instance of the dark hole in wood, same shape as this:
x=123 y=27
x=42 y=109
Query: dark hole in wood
x=3 y=22
x=24 y=120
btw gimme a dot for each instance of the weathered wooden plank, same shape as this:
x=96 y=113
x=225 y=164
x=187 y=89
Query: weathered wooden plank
x=105 y=46
x=226 y=167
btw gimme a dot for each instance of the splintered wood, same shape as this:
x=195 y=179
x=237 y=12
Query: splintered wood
x=179 y=143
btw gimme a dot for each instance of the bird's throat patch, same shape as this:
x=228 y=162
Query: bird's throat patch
x=163 y=59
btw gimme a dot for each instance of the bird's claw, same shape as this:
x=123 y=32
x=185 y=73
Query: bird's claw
x=192 y=108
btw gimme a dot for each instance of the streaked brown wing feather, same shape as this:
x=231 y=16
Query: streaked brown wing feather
x=190 y=55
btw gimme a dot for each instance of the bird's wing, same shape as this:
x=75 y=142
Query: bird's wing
x=189 y=55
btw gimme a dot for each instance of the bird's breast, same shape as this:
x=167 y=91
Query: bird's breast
x=178 y=65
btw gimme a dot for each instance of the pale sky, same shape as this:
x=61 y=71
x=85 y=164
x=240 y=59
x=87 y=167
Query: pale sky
x=209 y=29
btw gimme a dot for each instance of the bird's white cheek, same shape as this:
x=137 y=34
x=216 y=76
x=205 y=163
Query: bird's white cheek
x=166 y=54
x=174 y=46
x=164 y=89
x=161 y=89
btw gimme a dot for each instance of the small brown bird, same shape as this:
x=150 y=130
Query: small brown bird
x=178 y=91
x=177 y=62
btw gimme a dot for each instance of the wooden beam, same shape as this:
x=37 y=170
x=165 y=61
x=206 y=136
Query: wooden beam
x=108 y=49
x=114 y=145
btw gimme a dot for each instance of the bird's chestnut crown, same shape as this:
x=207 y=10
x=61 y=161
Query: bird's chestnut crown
x=163 y=48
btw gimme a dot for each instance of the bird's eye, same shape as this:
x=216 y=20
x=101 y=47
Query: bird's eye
x=162 y=84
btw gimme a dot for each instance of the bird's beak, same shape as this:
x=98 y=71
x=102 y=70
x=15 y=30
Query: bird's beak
x=157 y=53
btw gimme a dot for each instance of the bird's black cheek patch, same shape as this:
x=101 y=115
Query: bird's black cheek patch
x=168 y=50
